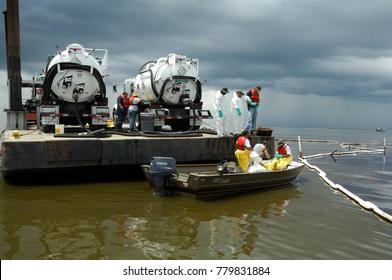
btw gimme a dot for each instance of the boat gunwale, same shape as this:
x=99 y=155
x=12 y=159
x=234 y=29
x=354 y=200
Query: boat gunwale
x=212 y=173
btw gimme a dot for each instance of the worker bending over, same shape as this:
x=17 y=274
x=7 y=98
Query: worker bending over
x=243 y=150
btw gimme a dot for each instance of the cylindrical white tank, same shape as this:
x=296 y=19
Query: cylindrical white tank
x=75 y=74
x=172 y=80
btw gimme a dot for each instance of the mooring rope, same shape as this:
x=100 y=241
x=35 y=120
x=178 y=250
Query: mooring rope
x=364 y=204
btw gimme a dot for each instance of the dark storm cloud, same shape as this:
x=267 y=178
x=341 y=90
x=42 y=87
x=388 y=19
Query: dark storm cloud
x=328 y=48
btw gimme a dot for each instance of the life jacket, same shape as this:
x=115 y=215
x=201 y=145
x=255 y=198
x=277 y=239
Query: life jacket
x=282 y=150
x=254 y=95
x=124 y=101
x=131 y=100
x=241 y=143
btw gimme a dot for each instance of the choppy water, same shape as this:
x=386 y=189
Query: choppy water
x=120 y=219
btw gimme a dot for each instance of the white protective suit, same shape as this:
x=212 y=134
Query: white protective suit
x=256 y=166
x=237 y=113
x=221 y=113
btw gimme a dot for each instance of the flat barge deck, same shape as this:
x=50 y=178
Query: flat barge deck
x=34 y=151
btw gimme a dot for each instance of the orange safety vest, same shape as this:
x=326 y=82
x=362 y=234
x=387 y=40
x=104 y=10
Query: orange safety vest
x=125 y=102
x=131 y=100
x=282 y=150
x=241 y=143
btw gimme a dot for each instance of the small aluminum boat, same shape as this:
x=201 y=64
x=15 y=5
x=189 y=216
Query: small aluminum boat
x=211 y=180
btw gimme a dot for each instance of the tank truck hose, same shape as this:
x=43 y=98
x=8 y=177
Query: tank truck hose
x=126 y=133
x=79 y=120
x=171 y=134
x=194 y=117
x=160 y=95
x=47 y=90
x=190 y=131
x=162 y=91
x=144 y=65
x=97 y=133
x=89 y=132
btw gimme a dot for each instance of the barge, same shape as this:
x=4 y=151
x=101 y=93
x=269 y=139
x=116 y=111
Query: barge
x=29 y=152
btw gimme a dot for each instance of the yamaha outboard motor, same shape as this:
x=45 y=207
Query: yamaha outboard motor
x=162 y=171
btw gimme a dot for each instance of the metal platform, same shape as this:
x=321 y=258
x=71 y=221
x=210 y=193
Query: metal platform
x=34 y=151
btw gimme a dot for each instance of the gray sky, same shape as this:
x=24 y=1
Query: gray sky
x=321 y=63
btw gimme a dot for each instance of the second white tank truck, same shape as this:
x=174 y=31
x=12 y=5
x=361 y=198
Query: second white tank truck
x=172 y=90
x=74 y=91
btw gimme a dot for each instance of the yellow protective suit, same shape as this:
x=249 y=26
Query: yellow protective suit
x=277 y=163
x=243 y=158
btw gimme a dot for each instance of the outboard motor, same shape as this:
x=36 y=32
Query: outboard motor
x=223 y=167
x=162 y=171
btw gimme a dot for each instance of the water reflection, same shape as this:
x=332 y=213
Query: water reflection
x=195 y=229
x=122 y=220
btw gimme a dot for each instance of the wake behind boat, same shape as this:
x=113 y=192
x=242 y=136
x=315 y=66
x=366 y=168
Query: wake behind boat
x=211 y=180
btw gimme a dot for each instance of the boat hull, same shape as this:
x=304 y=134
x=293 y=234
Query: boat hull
x=204 y=181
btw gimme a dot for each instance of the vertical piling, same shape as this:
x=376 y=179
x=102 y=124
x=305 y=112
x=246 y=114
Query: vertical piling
x=385 y=147
x=16 y=115
x=12 y=33
x=299 y=146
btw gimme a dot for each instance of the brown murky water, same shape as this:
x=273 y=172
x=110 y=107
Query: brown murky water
x=123 y=220
x=70 y=219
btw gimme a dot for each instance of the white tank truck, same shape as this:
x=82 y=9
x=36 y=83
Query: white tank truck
x=172 y=91
x=74 y=91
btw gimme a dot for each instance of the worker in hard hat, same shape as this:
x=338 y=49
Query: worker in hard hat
x=220 y=112
x=236 y=112
x=243 y=150
x=134 y=102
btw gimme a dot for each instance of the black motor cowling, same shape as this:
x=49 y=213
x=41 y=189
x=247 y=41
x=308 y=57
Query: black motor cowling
x=162 y=171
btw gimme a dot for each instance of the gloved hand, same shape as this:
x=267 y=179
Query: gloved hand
x=239 y=111
x=254 y=104
x=278 y=156
x=220 y=113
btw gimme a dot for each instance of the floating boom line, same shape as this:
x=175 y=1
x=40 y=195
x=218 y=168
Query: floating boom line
x=364 y=204
x=336 y=153
x=354 y=149
x=369 y=206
